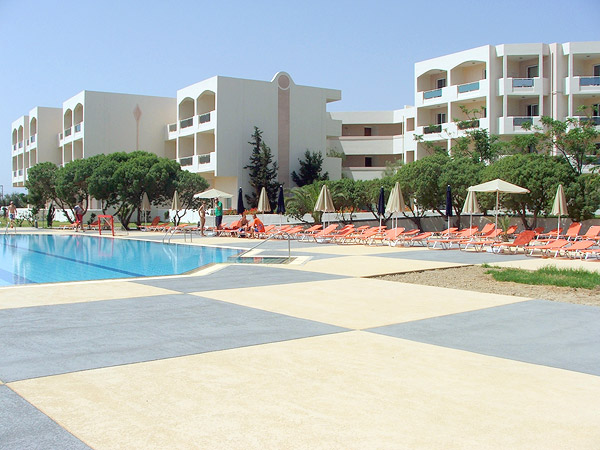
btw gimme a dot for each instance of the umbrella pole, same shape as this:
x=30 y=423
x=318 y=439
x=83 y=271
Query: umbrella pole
x=497 y=205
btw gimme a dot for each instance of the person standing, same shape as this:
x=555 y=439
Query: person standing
x=218 y=213
x=79 y=217
x=12 y=214
x=202 y=212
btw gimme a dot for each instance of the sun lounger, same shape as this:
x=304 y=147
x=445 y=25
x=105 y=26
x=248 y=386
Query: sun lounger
x=572 y=232
x=479 y=243
x=384 y=237
x=575 y=249
x=593 y=233
x=325 y=231
x=520 y=242
x=447 y=243
x=419 y=239
x=546 y=249
x=303 y=235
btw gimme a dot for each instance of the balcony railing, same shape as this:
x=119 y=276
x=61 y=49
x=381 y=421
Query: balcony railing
x=14 y=147
x=188 y=161
x=77 y=128
x=203 y=118
x=432 y=94
x=68 y=132
x=589 y=81
x=520 y=121
x=20 y=172
x=522 y=82
x=594 y=119
x=185 y=123
x=20 y=144
x=32 y=138
x=204 y=158
x=172 y=127
x=466 y=124
x=468 y=87
x=432 y=129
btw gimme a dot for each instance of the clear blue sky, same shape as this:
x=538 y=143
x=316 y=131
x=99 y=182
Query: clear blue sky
x=52 y=50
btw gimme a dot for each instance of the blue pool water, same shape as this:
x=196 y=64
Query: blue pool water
x=46 y=258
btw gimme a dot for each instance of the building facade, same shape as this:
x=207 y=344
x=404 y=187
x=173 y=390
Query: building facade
x=206 y=128
x=509 y=85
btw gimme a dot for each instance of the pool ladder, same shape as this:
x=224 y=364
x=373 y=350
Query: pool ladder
x=280 y=233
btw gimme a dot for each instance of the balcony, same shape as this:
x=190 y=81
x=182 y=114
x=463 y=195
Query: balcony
x=185 y=127
x=514 y=125
x=523 y=86
x=362 y=173
x=78 y=128
x=368 y=145
x=68 y=132
x=430 y=129
x=468 y=87
x=582 y=85
x=199 y=163
x=60 y=139
x=585 y=119
x=432 y=94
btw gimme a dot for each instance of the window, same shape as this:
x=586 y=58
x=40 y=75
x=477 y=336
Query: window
x=484 y=74
x=596 y=109
x=533 y=110
x=440 y=118
x=441 y=83
x=368 y=161
x=368 y=131
x=597 y=70
x=483 y=111
x=533 y=71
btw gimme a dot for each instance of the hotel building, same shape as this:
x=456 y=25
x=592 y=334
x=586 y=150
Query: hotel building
x=206 y=128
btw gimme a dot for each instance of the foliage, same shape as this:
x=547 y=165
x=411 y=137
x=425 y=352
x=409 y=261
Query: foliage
x=477 y=143
x=392 y=167
x=72 y=182
x=187 y=185
x=302 y=200
x=333 y=153
x=541 y=174
x=41 y=184
x=310 y=169
x=583 y=196
x=262 y=170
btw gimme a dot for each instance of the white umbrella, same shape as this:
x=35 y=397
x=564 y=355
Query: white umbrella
x=213 y=193
x=498 y=186
x=560 y=205
x=324 y=201
x=263 y=202
x=395 y=203
x=471 y=206
x=145 y=206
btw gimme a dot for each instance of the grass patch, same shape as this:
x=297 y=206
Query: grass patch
x=549 y=275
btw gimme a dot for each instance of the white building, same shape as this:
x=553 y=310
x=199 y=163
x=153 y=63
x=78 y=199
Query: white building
x=208 y=126
x=216 y=118
x=509 y=84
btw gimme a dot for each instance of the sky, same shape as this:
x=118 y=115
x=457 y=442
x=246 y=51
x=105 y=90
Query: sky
x=50 y=51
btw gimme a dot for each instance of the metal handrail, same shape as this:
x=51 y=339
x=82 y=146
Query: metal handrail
x=279 y=233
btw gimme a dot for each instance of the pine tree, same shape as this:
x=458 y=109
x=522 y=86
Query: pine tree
x=310 y=169
x=262 y=170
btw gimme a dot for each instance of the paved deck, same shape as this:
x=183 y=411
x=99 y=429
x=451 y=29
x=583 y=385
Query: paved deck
x=309 y=355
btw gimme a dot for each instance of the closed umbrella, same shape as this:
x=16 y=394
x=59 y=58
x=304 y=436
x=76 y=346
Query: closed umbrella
x=393 y=205
x=280 y=204
x=560 y=205
x=324 y=201
x=145 y=207
x=175 y=204
x=240 y=205
x=448 y=204
x=471 y=206
x=498 y=186
x=381 y=205
x=263 y=201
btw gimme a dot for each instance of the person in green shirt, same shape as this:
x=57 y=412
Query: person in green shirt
x=218 y=213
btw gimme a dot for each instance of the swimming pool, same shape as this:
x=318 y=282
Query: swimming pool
x=38 y=258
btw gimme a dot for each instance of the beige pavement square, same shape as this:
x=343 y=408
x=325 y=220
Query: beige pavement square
x=359 y=303
x=350 y=249
x=57 y=294
x=353 y=390
x=366 y=266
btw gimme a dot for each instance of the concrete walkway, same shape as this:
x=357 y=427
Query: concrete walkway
x=305 y=355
